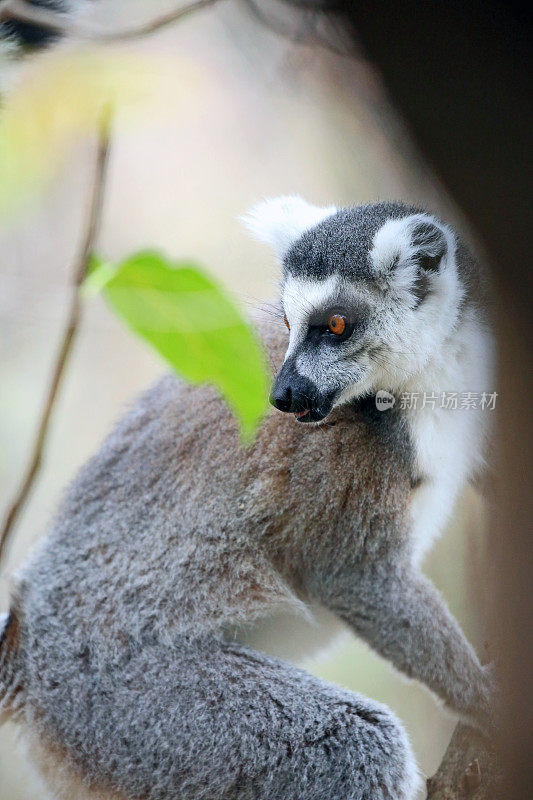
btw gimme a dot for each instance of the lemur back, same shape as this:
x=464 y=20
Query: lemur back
x=210 y=534
x=120 y=656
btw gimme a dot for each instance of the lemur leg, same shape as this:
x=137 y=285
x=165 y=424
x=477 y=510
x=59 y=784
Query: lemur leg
x=208 y=720
x=401 y=615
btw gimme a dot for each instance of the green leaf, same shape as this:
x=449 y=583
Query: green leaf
x=191 y=322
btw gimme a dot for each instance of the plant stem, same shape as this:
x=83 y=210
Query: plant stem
x=60 y=23
x=92 y=225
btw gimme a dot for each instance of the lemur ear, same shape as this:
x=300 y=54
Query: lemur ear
x=429 y=242
x=282 y=220
x=406 y=252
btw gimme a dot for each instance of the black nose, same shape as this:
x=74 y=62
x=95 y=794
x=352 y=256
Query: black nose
x=291 y=391
x=294 y=393
x=281 y=397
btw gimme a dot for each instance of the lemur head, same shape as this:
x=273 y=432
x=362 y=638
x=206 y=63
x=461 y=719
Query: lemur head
x=369 y=294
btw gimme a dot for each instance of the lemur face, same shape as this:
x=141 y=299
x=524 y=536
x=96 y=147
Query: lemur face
x=368 y=293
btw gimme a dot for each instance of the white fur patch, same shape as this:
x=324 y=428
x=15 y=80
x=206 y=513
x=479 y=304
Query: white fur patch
x=302 y=296
x=282 y=220
x=393 y=239
x=452 y=355
x=449 y=443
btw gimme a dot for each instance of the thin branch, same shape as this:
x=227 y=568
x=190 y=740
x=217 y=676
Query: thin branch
x=92 y=225
x=23 y=11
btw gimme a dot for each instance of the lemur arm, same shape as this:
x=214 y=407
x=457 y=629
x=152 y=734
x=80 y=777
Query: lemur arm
x=403 y=617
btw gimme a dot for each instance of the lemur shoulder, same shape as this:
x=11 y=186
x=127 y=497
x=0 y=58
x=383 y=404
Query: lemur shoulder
x=120 y=658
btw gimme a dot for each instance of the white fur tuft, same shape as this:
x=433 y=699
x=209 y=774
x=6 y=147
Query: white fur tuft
x=282 y=220
x=393 y=242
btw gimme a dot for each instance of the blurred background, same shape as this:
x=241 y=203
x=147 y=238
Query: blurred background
x=231 y=112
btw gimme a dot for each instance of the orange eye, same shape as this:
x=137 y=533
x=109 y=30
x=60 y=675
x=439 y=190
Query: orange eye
x=286 y=321
x=337 y=324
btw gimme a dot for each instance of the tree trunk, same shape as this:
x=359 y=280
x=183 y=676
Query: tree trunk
x=469 y=769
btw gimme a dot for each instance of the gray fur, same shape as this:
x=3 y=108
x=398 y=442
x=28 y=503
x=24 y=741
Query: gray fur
x=172 y=535
x=340 y=244
x=206 y=719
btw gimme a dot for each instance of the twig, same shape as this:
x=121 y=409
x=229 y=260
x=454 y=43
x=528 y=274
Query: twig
x=71 y=328
x=23 y=11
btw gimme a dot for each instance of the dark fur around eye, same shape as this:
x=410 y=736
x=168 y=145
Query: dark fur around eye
x=355 y=317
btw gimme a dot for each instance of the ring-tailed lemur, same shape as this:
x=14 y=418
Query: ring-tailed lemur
x=123 y=656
